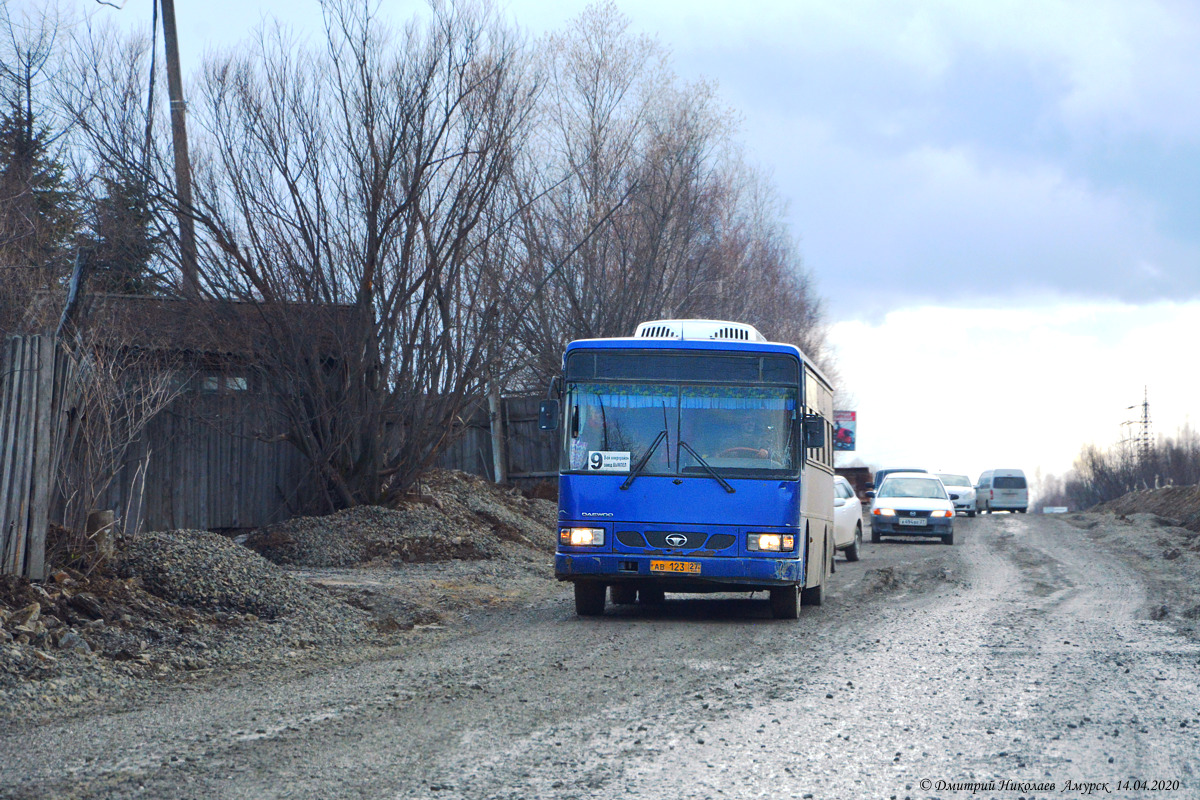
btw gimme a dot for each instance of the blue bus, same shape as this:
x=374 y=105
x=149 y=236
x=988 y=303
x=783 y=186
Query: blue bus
x=696 y=456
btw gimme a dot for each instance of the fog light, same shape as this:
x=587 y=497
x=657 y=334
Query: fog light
x=581 y=537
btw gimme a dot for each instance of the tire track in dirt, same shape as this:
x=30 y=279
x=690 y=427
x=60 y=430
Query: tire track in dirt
x=1017 y=654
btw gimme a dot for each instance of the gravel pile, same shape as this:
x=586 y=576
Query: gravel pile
x=207 y=571
x=1180 y=504
x=453 y=516
x=181 y=605
x=177 y=605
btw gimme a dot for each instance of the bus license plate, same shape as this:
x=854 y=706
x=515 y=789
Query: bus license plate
x=675 y=566
x=918 y=521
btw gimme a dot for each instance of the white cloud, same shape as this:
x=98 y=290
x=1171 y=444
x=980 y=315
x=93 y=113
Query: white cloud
x=1127 y=68
x=949 y=222
x=969 y=389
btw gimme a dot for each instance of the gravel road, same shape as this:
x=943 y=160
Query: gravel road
x=1022 y=654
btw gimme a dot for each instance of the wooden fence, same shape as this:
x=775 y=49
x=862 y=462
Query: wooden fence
x=209 y=462
x=34 y=375
x=531 y=455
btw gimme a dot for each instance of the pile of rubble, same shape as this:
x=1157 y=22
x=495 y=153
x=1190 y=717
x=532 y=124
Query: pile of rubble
x=180 y=603
x=183 y=604
x=454 y=516
x=1157 y=534
x=1181 y=504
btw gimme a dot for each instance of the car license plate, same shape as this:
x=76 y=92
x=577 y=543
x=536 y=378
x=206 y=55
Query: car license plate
x=675 y=566
x=915 y=521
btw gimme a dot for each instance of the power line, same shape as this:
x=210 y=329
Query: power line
x=1141 y=442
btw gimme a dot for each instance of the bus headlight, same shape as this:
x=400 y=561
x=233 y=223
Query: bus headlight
x=581 y=537
x=942 y=513
x=884 y=512
x=771 y=542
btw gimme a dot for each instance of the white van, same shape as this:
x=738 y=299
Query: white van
x=1002 y=490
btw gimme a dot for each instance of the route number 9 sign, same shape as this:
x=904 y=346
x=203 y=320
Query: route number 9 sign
x=608 y=460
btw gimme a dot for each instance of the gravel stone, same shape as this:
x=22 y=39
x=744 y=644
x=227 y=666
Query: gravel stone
x=195 y=605
x=207 y=570
x=454 y=516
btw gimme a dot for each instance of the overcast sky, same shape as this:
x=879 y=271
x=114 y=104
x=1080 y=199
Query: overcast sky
x=997 y=199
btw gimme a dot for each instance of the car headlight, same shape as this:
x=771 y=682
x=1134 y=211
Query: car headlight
x=581 y=537
x=770 y=542
x=884 y=512
x=942 y=513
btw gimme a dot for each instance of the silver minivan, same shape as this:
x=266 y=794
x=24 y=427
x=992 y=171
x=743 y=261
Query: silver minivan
x=1002 y=490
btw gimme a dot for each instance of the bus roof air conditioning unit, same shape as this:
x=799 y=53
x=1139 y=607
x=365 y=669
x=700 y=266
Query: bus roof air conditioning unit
x=698 y=329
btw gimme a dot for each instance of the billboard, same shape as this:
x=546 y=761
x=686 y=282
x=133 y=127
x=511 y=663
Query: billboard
x=844 y=434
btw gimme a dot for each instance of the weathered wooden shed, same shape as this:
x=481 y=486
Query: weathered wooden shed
x=214 y=457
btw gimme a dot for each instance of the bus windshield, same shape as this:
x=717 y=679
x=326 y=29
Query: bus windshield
x=738 y=431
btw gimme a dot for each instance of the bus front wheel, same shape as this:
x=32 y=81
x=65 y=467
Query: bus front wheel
x=589 y=598
x=785 y=602
x=814 y=596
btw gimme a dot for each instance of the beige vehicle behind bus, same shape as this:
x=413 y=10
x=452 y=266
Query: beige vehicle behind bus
x=1002 y=490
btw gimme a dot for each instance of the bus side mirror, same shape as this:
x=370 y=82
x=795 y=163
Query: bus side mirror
x=814 y=433
x=548 y=415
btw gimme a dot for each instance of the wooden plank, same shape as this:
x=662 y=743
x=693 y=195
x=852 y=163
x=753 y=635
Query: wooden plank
x=15 y=460
x=23 y=458
x=43 y=435
x=179 y=475
x=236 y=442
x=8 y=382
x=212 y=451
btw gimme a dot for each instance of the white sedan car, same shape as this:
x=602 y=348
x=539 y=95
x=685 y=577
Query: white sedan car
x=912 y=504
x=961 y=491
x=847 y=519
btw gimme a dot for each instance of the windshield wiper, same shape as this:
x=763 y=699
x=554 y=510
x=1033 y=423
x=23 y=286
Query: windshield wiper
x=641 y=465
x=700 y=460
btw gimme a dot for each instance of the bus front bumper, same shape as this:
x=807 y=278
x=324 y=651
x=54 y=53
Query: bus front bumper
x=933 y=527
x=681 y=570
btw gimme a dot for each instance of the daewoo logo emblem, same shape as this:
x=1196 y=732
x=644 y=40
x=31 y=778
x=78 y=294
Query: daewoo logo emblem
x=677 y=540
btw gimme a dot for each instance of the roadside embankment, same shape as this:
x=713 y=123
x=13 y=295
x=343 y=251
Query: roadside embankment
x=1156 y=533
x=183 y=605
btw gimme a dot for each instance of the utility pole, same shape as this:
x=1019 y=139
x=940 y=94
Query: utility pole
x=496 y=415
x=1145 y=445
x=183 y=174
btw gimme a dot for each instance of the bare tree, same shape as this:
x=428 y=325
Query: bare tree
x=354 y=195
x=118 y=388
x=696 y=232
x=1099 y=475
x=409 y=217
